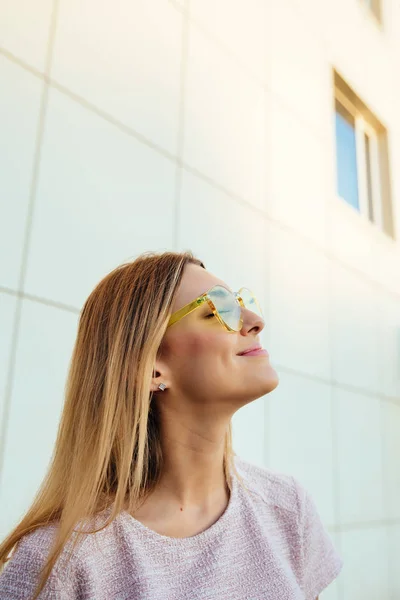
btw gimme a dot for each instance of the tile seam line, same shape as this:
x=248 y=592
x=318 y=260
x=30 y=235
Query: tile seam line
x=375 y=285
x=238 y=198
x=27 y=235
x=361 y=525
x=246 y=69
x=181 y=126
x=147 y=142
x=279 y=99
x=40 y=300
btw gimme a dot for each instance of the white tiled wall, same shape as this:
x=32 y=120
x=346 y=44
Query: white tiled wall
x=354 y=343
x=25 y=29
x=394 y=553
x=19 y=114
x=296 y=173
x=8 y=305
x=224 y=120
x=360 y=457
x=365 y=554
x=192 y=124
x=299 y=436
x=239 y=27
x=299 y=79
x=101 y=197
x=45 y=341
x=125 y=59
x=299 y=306
x=391 y=452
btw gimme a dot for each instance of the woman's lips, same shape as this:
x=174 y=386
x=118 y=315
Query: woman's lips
x=260 y=352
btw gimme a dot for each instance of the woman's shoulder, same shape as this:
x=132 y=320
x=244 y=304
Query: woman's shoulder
x=273 y=486
x=34 y=545
x=318 y=560
x=20 y=574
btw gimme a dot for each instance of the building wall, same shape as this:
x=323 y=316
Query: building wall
x=157 y=125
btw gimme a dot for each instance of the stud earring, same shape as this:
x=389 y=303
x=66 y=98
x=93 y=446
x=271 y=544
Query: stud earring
x=162 y=386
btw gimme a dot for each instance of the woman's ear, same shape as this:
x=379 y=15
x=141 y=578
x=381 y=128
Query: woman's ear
x=157 y=380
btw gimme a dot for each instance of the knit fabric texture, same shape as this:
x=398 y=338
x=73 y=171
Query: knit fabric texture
x=269 y=543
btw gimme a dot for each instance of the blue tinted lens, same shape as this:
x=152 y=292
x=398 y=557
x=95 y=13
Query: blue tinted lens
x=227 y=306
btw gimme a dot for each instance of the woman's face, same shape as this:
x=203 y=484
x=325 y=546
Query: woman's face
x=199 y=359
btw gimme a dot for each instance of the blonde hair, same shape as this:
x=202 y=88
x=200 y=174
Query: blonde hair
x=107 y=452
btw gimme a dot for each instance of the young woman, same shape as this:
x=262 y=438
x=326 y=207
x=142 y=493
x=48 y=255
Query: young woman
x=145 y=498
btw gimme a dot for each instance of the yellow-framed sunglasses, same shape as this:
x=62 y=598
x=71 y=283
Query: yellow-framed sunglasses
x=225 y=305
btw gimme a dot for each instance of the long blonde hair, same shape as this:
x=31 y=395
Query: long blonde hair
x=107 y=452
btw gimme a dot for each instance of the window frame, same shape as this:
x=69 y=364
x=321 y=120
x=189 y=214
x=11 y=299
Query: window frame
x=362 y=128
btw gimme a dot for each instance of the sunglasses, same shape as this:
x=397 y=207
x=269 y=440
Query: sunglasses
x=226 y=306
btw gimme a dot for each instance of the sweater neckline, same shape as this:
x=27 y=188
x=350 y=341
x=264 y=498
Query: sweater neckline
x=198 y=539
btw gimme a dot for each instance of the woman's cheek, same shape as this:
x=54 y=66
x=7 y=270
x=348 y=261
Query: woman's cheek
x=193 y=345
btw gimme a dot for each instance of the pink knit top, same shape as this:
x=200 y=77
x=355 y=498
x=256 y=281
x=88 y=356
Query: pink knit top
x=268 y=544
